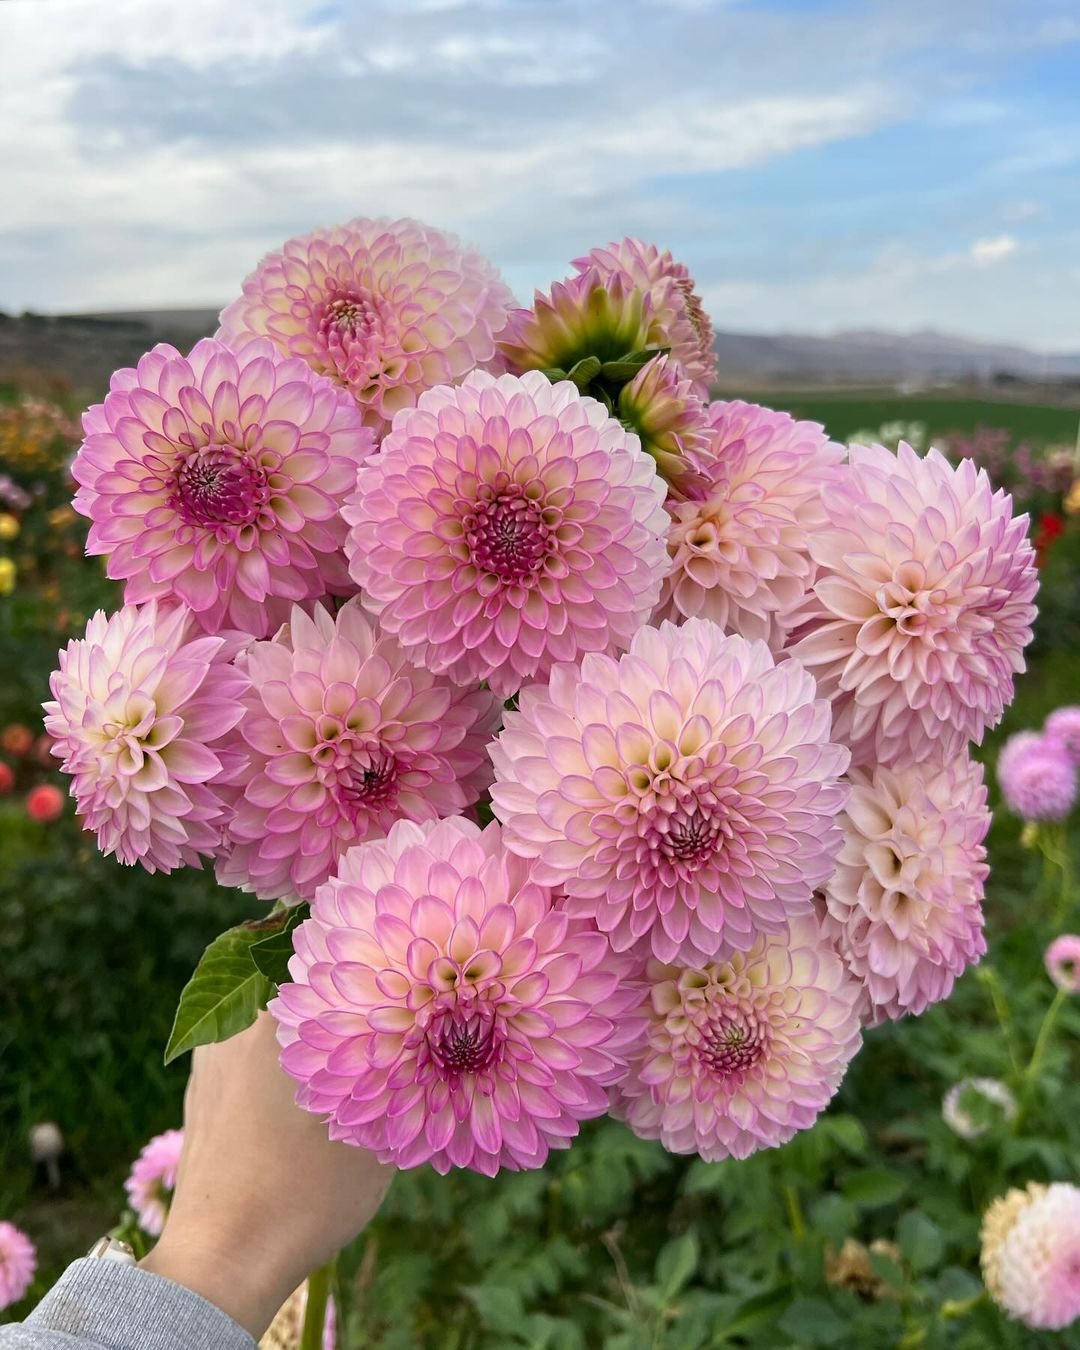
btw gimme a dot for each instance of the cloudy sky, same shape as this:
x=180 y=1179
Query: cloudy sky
x=819 y=164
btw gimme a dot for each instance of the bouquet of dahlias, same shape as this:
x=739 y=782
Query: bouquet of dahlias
x=604 y=748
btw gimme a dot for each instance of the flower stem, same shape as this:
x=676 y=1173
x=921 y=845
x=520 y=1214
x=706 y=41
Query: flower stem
x=319 y=1282
x=988 y=976
x=1035 y=1063
x=795 y=1216
x=960 y=1307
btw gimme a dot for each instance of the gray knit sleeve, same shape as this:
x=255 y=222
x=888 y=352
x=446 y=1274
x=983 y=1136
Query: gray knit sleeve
x=102 y=1305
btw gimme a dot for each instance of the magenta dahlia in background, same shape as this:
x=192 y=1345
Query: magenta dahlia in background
x=142 y=710
x=343 y=737
x=442 y=1011
x=1063 y=726
x=660 y=405
x=216 y=480
x=1037 y=778
x=505 y=525
x=742 y=1054
x=904 y=906
x=386 y=308
x=18 y=1262
x=685 y=794
x=1063 y=962
x=1031 y=1254
x=741 y=519
x=152 y=1180
x=684 y=325
x=922 y=606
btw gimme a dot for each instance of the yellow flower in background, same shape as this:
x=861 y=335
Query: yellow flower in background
x=9 y=526
x=61 y=516
x=1071 y=504
x=7 y=576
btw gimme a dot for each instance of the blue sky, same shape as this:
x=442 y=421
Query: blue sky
x=819 y=165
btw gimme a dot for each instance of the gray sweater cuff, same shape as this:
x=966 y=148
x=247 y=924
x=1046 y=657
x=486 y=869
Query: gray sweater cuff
x=101 y=1304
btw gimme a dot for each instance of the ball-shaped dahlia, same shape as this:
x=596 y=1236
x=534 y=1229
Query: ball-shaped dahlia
x=508 y=524
x=742 y=1054
x=1031 y=1254
x=974 y=1105
x=741 y=520
x=18 y=1262
x=216 y=479
x=1062 y=959
x=344 y=736
x=1063 y=726
x=660 y=405
x=152 y=1180
x=922 y=606
x=684 y=325
x=1037 y=778
x=140 y=718
x=286 y=1331
x=904 y=906
x=685 y=794
x=443 y=1011
x=386 y=308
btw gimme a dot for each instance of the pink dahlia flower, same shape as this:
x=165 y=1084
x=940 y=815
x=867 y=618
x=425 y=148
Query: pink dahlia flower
x=905 y=904
x=140 y=717
x=508 y=524
x=442 y=1011
x=669 y=418
x=387 y=308
x=1063 y=962
x=216 y=479
x=18 y=1262
x=153 y=1180
x=922 y=607
x=1037 y=778
x=742 y=519
x=1063 y=725
x=685 y=794
x=1031 y=1254
x=744 y=1053
x=344 y=737
x=685 y=326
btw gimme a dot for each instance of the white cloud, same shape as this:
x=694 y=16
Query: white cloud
x=987 y=252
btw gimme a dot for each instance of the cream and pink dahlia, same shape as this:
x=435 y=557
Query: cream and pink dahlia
x=216 y=480
x=142 y=710
x=286 y=1331
x=743 y=1053
x=1062 y=959
x=660 y=405
x=505 y=525
x=441 y=1010
x=1063 y=726
x=922 y=606
x=18 y=1262
x=152 y=1180
x=1031 y=1254
x=741 y=519
x=344 y=736
x=386 y=308
x=1037 y=778
x=904 y=907
x=974 y=1105
x=685 y=794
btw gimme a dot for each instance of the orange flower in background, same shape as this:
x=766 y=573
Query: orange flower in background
x=16 y=740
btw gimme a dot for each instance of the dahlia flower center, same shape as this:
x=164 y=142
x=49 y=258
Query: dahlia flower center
x=463 y=1041
x=367 y=779
x=507 y=534
x=913 y=608
x=732 y=1043
x=219 y=485
x=352 y=322
x=693 y=837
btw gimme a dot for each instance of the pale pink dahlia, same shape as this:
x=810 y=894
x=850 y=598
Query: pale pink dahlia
x=1037 y=778
x=685 y=794
x=1063 y=725
x=742 y=1054
x=140 y=717
x=922 y=607
x=742 y=519
x=685 y=325
x=1031 y=1254
x=1063 y=962
x=344 y=737
x=18 y=1262
x=974 y=1105
x=660 y=405
x=507 y=524
x=153 y=1179
x=216 y=479
x=905 y=904
x=442 y=1011
x=387 y=308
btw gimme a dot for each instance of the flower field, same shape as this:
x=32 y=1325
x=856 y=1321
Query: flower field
x=862 y=1231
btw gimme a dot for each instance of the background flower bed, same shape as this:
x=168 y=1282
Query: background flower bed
x=614 y=1243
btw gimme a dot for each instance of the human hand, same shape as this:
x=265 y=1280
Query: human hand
x=263 y=1197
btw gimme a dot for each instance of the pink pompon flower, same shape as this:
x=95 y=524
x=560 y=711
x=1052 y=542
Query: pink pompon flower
x=742 y=519
x=685 y=326
x=1031 y=1254
x=743 y=1053
x=140 y=718
x=387 y=308
x=216 y=479
x=685 y=794
x=153 y=1179
x=508 y=524
x=344 y=736
x=1063 y=962
x=443 y=1011
x=18 y=1262
x=660 y=404
x=922 y=607
x=1063 y=725
x=1037 y=778
x=905 y=904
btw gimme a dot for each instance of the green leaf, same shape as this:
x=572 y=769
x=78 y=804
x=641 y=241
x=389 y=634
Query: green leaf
x=585 y=371
x=554 y=374
x=885 y=1268
x=812 y=1321
x=676 y=1264
x=500 y=1308
x=920 y=1240
x=271 y=954
x=874 y=1187
x=833 y=1217
x=226 y=992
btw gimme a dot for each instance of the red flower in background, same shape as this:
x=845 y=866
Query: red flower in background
x=1050 y=526
x=45 y=803
x=7 y=778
